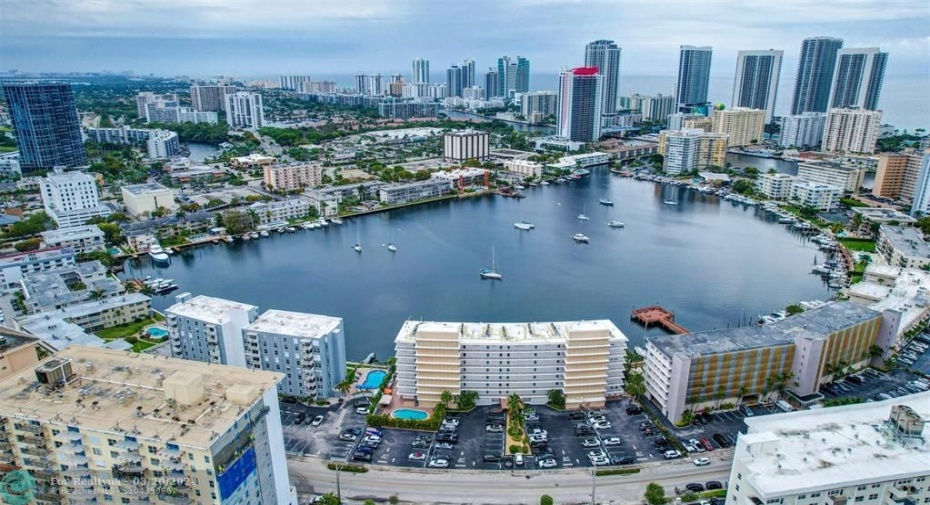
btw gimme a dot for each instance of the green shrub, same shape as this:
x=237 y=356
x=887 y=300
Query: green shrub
x=717 y=493
x=546 y=500
x=689 y=497
x=514 y=448
x=383 y=421
x=347 y=468
x=616 y=471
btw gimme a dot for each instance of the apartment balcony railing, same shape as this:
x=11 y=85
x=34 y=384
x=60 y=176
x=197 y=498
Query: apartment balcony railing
x=29 y=428
x=36 y=451
x=49 y=498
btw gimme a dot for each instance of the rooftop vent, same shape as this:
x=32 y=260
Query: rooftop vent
x=906 y=422
x=55 y=373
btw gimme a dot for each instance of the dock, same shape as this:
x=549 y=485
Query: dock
x=656 y=314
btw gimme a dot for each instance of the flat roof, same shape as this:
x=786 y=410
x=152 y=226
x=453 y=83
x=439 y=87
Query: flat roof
x=207 y=308
x=144 y=189
x=907 y=294
x=294 y=324
x=909 y=241
x=10 y=340
x=60 y=334
x=509 y=332
x=813 y=323
x=125 y=388
x=831 y=448
x=72 y=233
x=883 y=214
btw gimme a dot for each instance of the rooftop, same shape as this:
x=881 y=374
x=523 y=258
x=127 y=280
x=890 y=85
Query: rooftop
x=831 y=448
x=60 y=334
x=882 y=214
x=907 y=293
x=909 y=241
x=11 y=339
x=62 y=286
x=815 y=323
x=294 y=324
x=511 y=332
x=72 y=233
x=144 y=189
x=207 y=309
x=118 y=391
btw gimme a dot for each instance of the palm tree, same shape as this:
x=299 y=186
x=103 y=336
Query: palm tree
x=344 y=387
x=96 y=294
x=445 y=398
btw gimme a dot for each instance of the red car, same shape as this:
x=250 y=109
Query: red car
x=707 y=445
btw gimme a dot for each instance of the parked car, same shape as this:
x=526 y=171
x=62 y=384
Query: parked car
x=318 y=420
x=361 y=410
x=721 y=440
x=633 y=410
x=491 y=458
x=348 y=437
x=575 y=416
x=694 y=487
x=417 y=456
x=707 y=445
x=494 y=428
x=698 y=446
x=622 y=460
x=672 y=454
x=518 y=459
x=713 y=484
x=439 y=463
x=444 y=445
x=362 y=456
x=288 y=399
x=300 y=418
x=610 y=441
x=547 y=463
x=701 y=462
x=601 y=426
x=590 y=442
x=600 y=461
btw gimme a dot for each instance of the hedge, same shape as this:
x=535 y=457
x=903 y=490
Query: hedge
x=616 y=471
x=347 y=468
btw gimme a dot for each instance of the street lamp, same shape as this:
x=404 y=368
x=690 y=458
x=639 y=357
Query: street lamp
x=593 y=485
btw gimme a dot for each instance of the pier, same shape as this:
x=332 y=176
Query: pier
x=656 y=314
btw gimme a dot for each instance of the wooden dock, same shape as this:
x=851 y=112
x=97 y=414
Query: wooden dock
x=656 y=314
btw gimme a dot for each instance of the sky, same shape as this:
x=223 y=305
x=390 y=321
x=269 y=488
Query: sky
x=249 y=39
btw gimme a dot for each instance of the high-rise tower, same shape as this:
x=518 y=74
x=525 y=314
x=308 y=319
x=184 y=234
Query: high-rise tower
x=815 y=74
x=693 y=76
x=605 y=55
x=756 y=85
x=858 y=78
x=45 y=119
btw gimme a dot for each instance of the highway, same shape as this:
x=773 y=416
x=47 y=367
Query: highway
x=311 y=476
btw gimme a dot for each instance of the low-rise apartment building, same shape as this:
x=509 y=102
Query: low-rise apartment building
x=899 y=294
x=66 y=286
x=279 y=212
x=463 y=177
x=96 y=315
x=293 y=176
x=525 y=168
x=775 y=186
x=903 y=246
x=309 y=349
x=148 y=197
x=697 y=371
x=81 y=239
x=870 y=453
x=583 y=359
x=13 y=267
x=407 y=192
x=822 y=197
x=138 y=428
x=208 y=329
x=845 y=177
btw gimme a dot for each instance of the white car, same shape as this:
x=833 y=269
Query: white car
x=538 y=438
x=417 y=456
x=612 y=441
x=547 y=463
x=318 y=420
x=601 y=426
x=599 y=453
x=600 y=461
x=672 y=454
x=362 y=410
x=599 y=419
x=701 y=462
x=451 y=421
x=439 y=463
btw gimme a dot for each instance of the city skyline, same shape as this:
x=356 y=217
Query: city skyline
x=255 y=40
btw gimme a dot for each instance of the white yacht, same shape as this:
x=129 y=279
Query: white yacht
x=523 y=225
x=580 y=237
x=358 y=243
x=157 y=253
x=584 y=217
x=615 y=224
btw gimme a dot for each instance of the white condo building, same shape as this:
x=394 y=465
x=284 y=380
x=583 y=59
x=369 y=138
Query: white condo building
x=137 y=428
x=845 y=177
x=583 y=359
x=309 y=349
x=71 y=198
x=543 y=102
x=211 y=97
x=208 y=329
x=823 y=197
x=802 y=131
x=148 y=197
x=851 y=130
x=244 y=110
x=465 y=145
x=775 y=186
x=870 y=453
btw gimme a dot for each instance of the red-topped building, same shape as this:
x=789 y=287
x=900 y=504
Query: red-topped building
x=579 y=112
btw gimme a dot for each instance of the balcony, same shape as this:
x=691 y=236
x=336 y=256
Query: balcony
x=29 y=428
x=4 y=436
x=39 y=463
x=128 y=471
x=49 y=498
x=36 y=451
x=129 y=457
x=169 y=497
x=172 y=464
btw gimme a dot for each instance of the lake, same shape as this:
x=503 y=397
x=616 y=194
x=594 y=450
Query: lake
x=712 y=262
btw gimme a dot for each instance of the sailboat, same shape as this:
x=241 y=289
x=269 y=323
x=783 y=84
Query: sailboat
x=583 y=216
x=674 y=199
x=491 y=273
x=390 y=246
x=358 y=243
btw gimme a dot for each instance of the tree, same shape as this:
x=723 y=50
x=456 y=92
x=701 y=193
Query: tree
x=857 y=221
x=329 y=499
x=96 y=294
x=794 y=309
x=112 y=233
x=30 y=244
x=515 y=406
x=655 y=494
x=556 y=398
x=742 y=186
x=546 y=500
x=635 y=385
x=345 y=386
x=445 y=398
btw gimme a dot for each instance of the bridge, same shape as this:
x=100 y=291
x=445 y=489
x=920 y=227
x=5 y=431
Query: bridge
x=656 y=314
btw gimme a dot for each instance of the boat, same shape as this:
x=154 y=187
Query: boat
x=264 y=234
x=821 y=269
x=290 y=229
x=544 y=183
x=583 y=217
x=254 y=235
x=390 y=245
x=491 y=273
x=358 y=244
x=157 y=253
x=615 y=224
x=335 y=220
x=670 y=202
x=580 y=237
x=605 y=201
x=322 y=222
x=523 y=225
x=519 y=187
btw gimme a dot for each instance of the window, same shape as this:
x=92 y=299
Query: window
x=97 y=452
x=152 y=449
x=873 y=496
x=860 y=498
x=815 y=495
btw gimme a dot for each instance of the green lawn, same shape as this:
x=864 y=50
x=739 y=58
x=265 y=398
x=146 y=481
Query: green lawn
x=142 y=345
x=849 y=202
x=8 y=149
x=858 y=244
x=125 y=330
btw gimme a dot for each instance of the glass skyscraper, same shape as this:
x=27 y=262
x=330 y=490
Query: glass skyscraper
x=605 y=55
x=580 y=98
x=693 y=76
x=859 y=75
x=46 y=123
x=756 y=84
x=815 y=74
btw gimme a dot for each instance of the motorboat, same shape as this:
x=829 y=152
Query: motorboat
x=358 y=244
x=392 y=247
x=523 y=225
x=615 y=224
x=264 y=234
x=580 y=237
x=605 y=201
x=583 y=217
x=335 y=220
x=157 y=253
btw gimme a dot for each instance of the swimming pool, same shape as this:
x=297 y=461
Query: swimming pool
x=157 y=332
x=373 y=380
x=416 y=415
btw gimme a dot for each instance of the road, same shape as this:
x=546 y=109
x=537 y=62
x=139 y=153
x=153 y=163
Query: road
x=311 y=476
